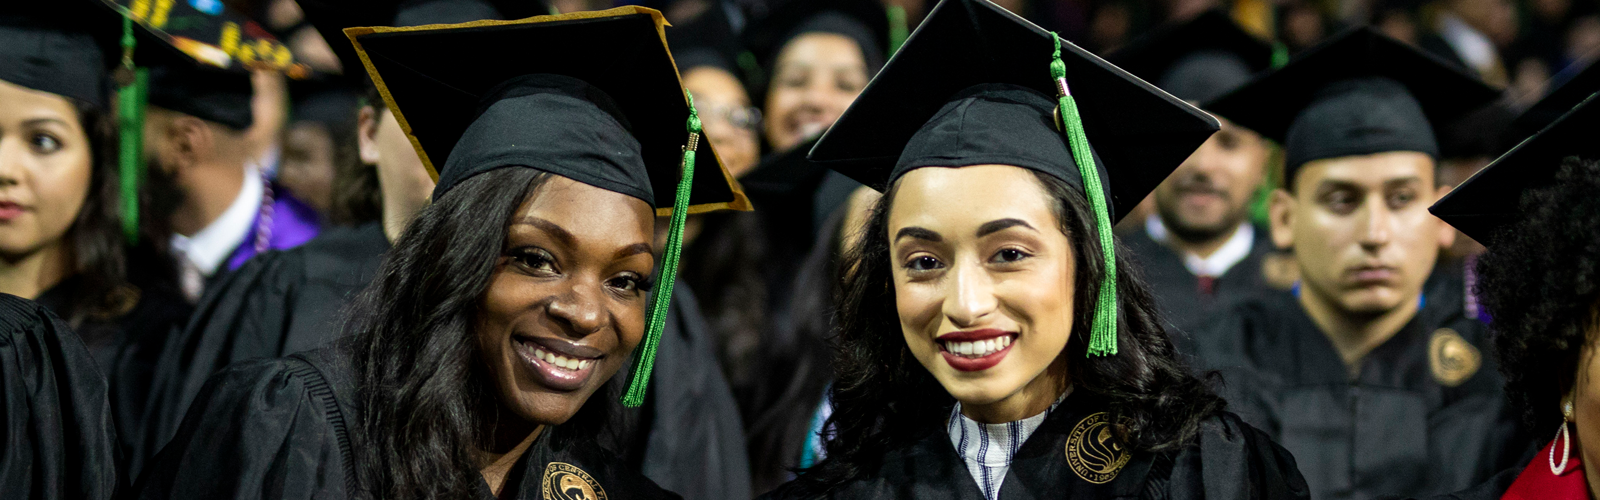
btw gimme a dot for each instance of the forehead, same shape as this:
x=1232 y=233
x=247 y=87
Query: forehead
x=590 y=213
x=959 y=199
x=1372 y=170
x=25 y=103
x=821 y=48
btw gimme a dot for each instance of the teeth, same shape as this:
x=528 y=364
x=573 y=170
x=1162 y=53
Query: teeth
x=561 y=361
x=978 y=349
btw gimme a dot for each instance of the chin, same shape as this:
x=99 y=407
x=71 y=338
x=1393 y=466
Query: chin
x=979 y=389
x=550 y=408
x=1376 y=300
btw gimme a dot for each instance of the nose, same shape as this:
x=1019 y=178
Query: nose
x=579 y=310
x=970 y=297
x=1379 y=221
x=11 y=158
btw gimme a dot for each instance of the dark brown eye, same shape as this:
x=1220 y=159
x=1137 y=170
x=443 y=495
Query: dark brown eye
x=45 y=143
x=923 y=263
x=1008 y=255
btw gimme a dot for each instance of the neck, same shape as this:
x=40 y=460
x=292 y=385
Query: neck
x=1202 y=248
x=208 y=192
x=508 y=449
x=1354 y=334
x=398 y=211
x=28 y=276
x=1032 y=399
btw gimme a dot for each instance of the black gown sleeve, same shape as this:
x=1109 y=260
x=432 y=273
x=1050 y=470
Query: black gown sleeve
x=225 y=328
x=59 y=442
x=1231 y=460
x=259 y=430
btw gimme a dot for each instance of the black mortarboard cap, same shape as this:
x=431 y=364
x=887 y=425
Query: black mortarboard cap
x=331 y=17
x=707 y=40
x=1570 y=89
x=1198 y=60
x=324 y=99
x=46 y=46
x=1358 y=93
x=973 y=86
x=606 y=110
x=1482 y=205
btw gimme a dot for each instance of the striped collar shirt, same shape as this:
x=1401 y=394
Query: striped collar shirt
x=987 y=449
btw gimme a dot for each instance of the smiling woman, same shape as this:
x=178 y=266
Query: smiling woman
x=478 y=363
x=1030 y=360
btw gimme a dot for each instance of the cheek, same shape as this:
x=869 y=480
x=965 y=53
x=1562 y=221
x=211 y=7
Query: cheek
x=1042 y=300
x=62 y=186
x=919 y=305
x=631 y=322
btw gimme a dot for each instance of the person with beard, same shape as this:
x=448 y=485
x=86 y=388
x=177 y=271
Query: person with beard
x=1199 y=249
x=479 y=362
x=1375 y=387
x=217 y=202
x=992 y=343
x=1535 y=208
x=62 y=239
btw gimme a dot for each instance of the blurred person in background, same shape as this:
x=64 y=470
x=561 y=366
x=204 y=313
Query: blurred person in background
x=321 y=134
x=1376 y=387
x=62 y=243
x=1537 y=211
x=1473 y=34
x=1199 y=250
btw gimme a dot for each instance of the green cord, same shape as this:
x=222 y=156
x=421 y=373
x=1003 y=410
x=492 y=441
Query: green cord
x=644 y=359
x=1280 y=55
x=1103 y=335
x=897 y=28
x=130 y=121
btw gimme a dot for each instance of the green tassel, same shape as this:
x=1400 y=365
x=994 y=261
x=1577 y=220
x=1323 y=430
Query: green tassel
x=897 y=28
x=130 y=121
x=644 y=358
x=1103 y=335
x=1280 y=55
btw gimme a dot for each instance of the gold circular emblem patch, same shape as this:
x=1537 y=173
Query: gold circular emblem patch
x=1452 y=358
x=1093 y=451
x=564 y=481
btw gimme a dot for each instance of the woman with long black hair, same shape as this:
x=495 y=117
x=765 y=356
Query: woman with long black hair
x=477 y=363
x=991 y=343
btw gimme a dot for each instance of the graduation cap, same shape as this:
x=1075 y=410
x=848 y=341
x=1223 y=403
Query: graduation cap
x=1571 y=88
x=1198 y=60
x=46 y=47
x=708 y=40
x=1489 y=201
x=975 y=84
x=1358 y=93
x=606 y=110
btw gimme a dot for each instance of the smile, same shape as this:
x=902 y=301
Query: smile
x=556 y=366
x=975 y=350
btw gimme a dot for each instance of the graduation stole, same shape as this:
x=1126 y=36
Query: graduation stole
x=644 y=359
x=1103 y=334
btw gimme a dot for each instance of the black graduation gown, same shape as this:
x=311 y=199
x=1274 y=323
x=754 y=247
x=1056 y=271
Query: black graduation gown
x=126 y=349
x=280 y=429
x=1425 y=415
x=278 y=303
x=1227 y=460
x=59 y=442
x=1177 y=291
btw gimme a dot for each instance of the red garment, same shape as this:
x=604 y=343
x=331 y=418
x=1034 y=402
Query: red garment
x=1538 y=483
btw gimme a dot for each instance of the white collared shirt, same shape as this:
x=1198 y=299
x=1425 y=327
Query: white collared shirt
x=211 y=246
x=987 y=449
x=1234 y=251
x=1474 y=47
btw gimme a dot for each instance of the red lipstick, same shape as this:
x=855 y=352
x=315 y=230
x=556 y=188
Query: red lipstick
x=967 y=363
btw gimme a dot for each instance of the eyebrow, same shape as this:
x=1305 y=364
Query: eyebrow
x=632 y=250
x=1328 y=184
x=549 y=227
x=998 y=225
x=37 y=121
x=918 y=233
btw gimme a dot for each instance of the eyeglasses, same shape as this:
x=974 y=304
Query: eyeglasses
x=745 y=117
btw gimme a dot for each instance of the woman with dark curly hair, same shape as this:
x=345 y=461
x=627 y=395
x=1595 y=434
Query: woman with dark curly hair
x=991 y=343
x=1538 y=210
x=478 y=362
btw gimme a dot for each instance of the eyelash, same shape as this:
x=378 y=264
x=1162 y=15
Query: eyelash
x=534 y=259
x=911 y=264
x=55 y=144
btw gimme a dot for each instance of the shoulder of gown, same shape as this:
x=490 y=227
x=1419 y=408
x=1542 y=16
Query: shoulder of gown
x=278 y=303
x=1230 y=459
x=59 y=440
x=259 y=430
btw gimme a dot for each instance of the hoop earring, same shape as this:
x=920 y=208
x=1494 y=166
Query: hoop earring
x=1566 y=440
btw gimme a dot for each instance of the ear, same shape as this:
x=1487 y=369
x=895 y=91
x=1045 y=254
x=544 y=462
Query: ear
x=192 y=141
x=367 y=134
x=1447 y=233
x=1280 y=215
